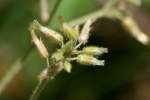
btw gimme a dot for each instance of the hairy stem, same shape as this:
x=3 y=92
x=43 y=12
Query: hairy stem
x=44 y=77
x=39 y=88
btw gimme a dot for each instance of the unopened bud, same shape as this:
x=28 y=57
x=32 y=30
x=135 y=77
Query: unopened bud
x=40 y=45
x=44 y=10
x=57 y=56
x=93 y=50
x=71 y=33
x=67 y=66
x=35 y=25
x=59 y=67
x=89 y=60
x=48 y=32
x=135 y=31
x=68 y=47
x=85 y=32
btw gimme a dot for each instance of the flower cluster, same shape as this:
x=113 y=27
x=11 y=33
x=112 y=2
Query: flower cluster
x=70 y=47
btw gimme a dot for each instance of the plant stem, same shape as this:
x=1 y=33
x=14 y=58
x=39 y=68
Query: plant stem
x=44 y=77
x=10 y=75
x=39 y=88
x=81 y=20
x=54 y=9
x=14 y=70
x=95 y=15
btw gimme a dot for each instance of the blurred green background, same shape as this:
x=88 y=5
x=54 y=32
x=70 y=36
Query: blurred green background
x=124 y=77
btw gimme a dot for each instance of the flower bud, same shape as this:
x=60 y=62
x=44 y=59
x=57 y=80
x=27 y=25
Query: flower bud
x=93 y=50
x=58 y=67
x=135 y=31
x=68 y=47
x=48 y=32
x=71 y=33
x=44 y=13
x=40 y=46
x=84 y=36
x=35 y=25
x=57 y=56
x=89 y=60
x=67 y=66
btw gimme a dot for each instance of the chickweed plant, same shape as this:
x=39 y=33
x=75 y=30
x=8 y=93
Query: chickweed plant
x=70 y=42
